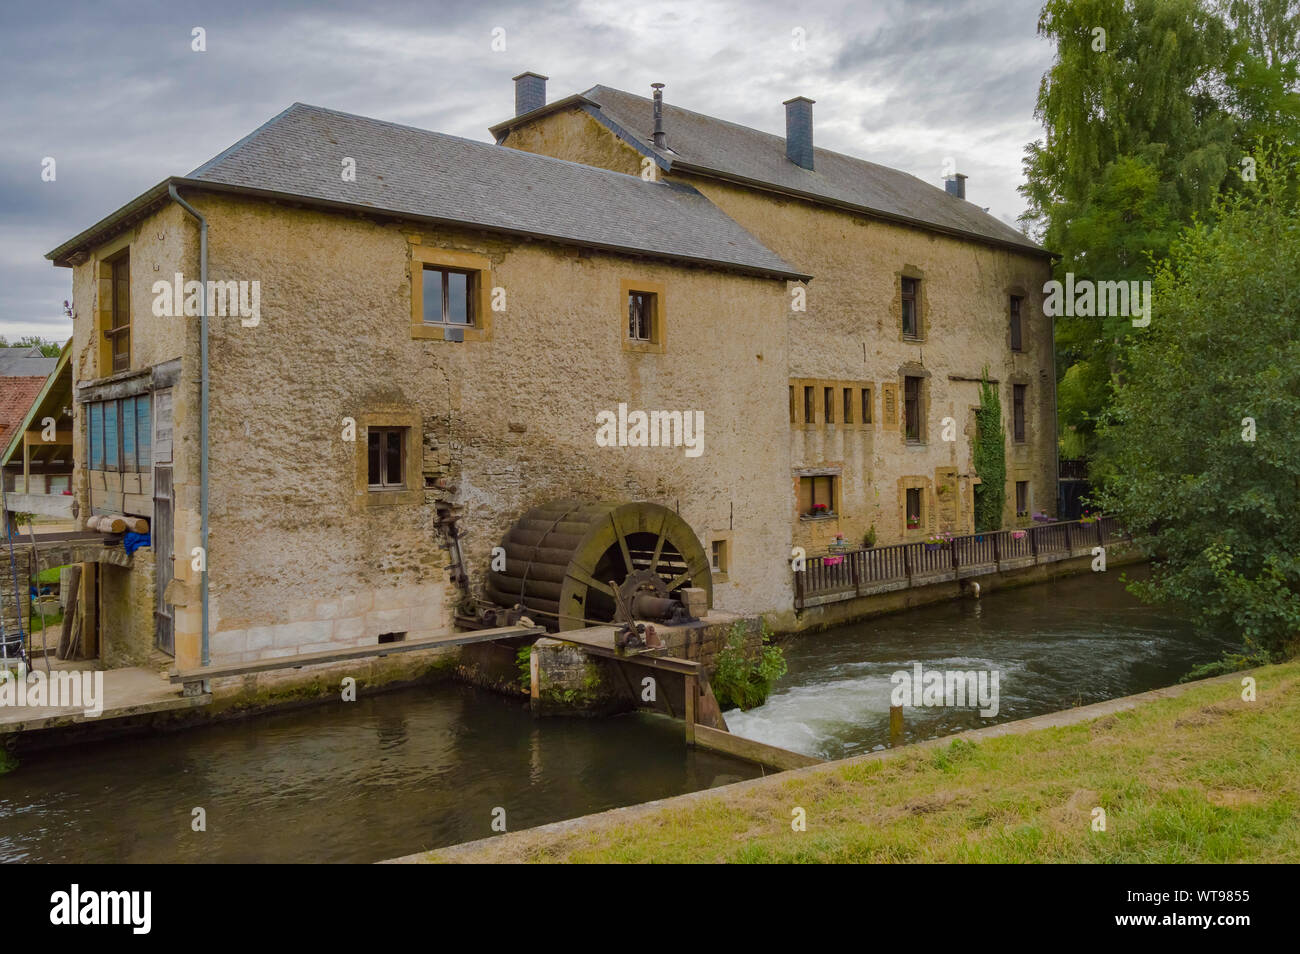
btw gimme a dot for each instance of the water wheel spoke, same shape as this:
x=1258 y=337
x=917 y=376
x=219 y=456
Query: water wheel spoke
x=582 y=576
x=659 y=549
x=622 y=544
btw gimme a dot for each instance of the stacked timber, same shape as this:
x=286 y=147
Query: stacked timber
x=117 y=523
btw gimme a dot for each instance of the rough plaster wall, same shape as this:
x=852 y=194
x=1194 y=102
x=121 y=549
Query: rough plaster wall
x=288 y=539
x=574 y=135
x=851 y=331
x=853 y=301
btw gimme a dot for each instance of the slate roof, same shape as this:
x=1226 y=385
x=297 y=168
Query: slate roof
x=431 y=175
x=25 y=363
x=716 y=146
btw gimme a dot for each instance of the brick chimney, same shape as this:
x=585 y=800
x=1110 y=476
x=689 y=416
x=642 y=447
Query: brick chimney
x=799 y=131
x=530 y=92
x=956 y=185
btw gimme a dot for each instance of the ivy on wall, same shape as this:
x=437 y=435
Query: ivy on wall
x=989 y=452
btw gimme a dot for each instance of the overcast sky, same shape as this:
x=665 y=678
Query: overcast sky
x=114 y=93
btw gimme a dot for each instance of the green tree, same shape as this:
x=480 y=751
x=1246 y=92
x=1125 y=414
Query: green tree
x=1201 y=450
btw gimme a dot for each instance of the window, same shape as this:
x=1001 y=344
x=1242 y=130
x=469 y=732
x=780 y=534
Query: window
x=817 y=495
x=120 y=434
x=1018 y=411
x=912 y=409
x=118 y=332
x=809 y=411
x=911 y=327
x=1015 y=323
x=448 y=296
x=1022 y=498
x=386 y=460
x=828 y=404
x=793 y=419
x=913 y=508
x=719 y=556
x=866 y=405
x=848 y=405
x=391 y=638
x=640 y=316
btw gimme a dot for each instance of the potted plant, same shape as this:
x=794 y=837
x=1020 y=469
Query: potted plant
x=819 y=509
x=937 y=542
x=869 y=540
x=1017 y=534
x=913 y=521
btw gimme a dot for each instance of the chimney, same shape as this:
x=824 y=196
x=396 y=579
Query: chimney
x=660 y=140
x=798 y=131
x=530 y=92
x=956 y=185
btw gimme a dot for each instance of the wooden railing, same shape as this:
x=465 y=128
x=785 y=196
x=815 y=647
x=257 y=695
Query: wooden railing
x=843 y=574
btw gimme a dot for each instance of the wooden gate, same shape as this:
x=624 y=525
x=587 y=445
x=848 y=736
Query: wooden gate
x=161 y=540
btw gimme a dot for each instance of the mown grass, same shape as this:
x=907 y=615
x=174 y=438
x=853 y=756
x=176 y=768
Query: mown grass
x=1203 y=777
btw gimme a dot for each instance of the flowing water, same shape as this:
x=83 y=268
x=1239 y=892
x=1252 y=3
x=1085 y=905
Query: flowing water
x=421 y=768
x=1070 y=642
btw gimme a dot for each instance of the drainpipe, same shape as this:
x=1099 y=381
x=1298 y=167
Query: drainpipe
x=203 y=408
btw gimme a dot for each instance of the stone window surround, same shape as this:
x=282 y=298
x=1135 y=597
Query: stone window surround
x=479 y=265
x=1018 y=290
x=102 y=347
x=922 y=304
x=819 y=386
x=836 y=475
x=913 y=369
x=725 y=537
x=413 y=492
x=925 y=486
x=658 y=342
x=1027 y=382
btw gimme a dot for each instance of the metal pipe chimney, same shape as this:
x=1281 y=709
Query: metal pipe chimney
x=660 y=140
x=956 y=185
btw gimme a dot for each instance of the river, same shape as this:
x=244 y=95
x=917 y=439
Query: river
x=426 y=767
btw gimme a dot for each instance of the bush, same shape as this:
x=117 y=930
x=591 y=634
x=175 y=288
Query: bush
x=744 y=679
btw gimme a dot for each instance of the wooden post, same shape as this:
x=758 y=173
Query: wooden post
x=1033 y=543
x=895 y=725
x=691 y=687
x=997 y=548
x=1068 y=548
x=907 y=562
x=27 y=465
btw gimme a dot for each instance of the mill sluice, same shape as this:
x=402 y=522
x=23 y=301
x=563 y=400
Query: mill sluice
x=574 y=563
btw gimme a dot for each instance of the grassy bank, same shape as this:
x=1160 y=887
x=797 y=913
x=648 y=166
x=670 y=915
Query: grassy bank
x=1200 y=777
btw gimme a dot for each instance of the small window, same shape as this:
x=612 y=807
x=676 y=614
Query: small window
x=448 y=297
x=848 y=405
x=793 y=420
x=641 y=307
x=387 y=457
x=95 y=425
x=913 y=508
x=912 y=409
x=720 y=556
x=392 y=638
x=911 y=327
x=1022 y=498
x=1018 y=411
x=866 y=405
x=809 y=410
x=828 y=404
x=118 y=331
x=1015 y=323
x=817 y=495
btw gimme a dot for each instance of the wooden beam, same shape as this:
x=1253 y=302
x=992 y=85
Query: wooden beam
x=751 y=751
x=356 y=652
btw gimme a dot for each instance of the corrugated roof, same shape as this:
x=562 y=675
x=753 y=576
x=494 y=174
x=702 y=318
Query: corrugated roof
x=429 y=175
x=734 y=151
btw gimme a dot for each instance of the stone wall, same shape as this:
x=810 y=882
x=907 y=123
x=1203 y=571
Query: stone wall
x=126 y=599
x=850 y=335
